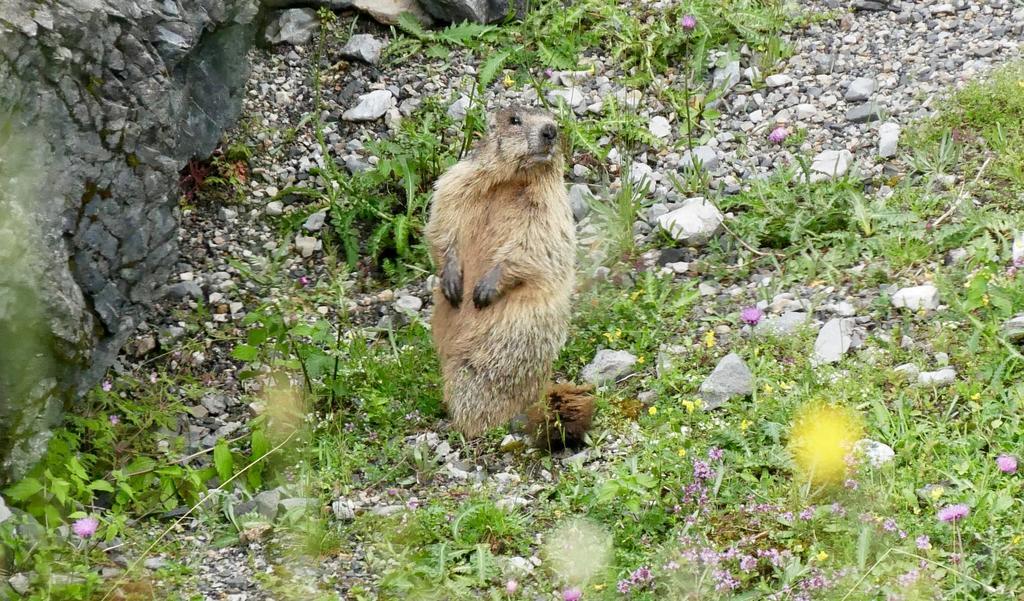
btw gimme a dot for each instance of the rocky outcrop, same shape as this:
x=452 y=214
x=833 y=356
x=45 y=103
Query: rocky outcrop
x=102 y=102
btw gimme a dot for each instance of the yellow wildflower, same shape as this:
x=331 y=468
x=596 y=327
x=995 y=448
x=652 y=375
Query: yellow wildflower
x=768 y=389
x=744 y=425
x=786 y=385
x=936 y=492
x=709 y=339
x=975 y=396
x=640 y=359
x=1016 y=539
x=652 y=411
x=598 y=587
x=821 y=437
x=509 y=81
x=984 y=300
x=681 y=452
x=689 y=406
x=821 y=556
x=798 y=547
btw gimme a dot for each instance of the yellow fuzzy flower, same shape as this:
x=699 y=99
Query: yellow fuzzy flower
x=509 y=82
x=936 y=492
x=640 y=359
x=744 y=425
x=681 y=452
x=820 y=439
x=821 y=556
x=652 y=411
x=709 y=339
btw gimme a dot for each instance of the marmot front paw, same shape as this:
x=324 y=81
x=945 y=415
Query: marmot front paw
x=484 y=294
x=451 y=284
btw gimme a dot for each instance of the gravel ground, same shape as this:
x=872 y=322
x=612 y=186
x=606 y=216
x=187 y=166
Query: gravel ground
x=893 y=62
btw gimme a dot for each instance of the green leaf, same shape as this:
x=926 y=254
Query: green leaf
x=23 y=489
x=489 y=70
x=101 y=485
x=223 y=460
x=244 y=352
x=411 y=25
x=863 y=547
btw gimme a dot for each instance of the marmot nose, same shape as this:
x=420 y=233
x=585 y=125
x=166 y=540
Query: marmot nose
x=549 y=132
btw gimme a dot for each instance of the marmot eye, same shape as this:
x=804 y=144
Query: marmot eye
x=515 y=120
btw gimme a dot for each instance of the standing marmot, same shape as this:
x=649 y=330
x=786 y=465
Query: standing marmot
x=501 y=233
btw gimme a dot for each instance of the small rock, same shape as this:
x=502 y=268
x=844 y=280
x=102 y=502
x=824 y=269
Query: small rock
x=830 y=164
x=860 y=89
x=660 y=127
x=783 y=325
x=908 y=370
x=294 y=26
x=459 y=108
x=363 y=47
x=833 y=341
x=143 y=345
x=275 y=208
x=1012 y=329
x=408 y=304
x=315 y=222
x=154 y=563
x=214 y=402
x=343 y=510
x=703 y=156
x=888 y=139
x=20 y=583
x=942 y=359
x=608 y=366
x=573 y=97
x=307 y=245
x=298 y=504
x=371 y=106
x=805 y=111
x=385 y=510
x=267 y=503
x=778 y=80
x=579 y=200
x=942 y=377
x=864 y=113
x=5 y=513
x=694 y=223
x=877 y=453
x=730 y=378
x=726 y=77
x=917 y=297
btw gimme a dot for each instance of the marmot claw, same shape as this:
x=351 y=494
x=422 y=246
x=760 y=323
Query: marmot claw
x=451 y=284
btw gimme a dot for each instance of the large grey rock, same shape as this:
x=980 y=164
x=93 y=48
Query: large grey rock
x=608 y=366
x=731 y=378
x=725 y=78
x=860 y=89
x=829 y=164
x=388 y=11
x=694 y=223
x=864 y=113
x=481 y=11
x=295 y=26
x=783 y=325
x=579 y=201
x=363 y=47
x=834 y=339
x=888 y=139
x=704 y=157
x=371 y=106
x=1013 y=328
x=104 y=102
x=917 y=297
x=5 y=513
x=942 y=377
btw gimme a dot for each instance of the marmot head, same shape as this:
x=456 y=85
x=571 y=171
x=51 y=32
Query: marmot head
x=525 y=139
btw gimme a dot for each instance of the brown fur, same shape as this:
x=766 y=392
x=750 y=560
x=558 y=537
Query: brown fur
x=501 y=235
x=561 y=420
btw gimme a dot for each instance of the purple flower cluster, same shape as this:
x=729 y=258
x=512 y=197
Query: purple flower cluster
x=751 y=316
x=640 y=578
x=953 y=513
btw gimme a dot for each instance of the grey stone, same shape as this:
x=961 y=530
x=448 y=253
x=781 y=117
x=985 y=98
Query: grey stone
x=864 y=113
x=830 y=164
x=573 y=97
x=298 y=504
x=214 y=402
x=343 y=510
x=408 y=304
x=783 y=325
x=579 y=201
x=917 y=297
x=908 y=371
x=363 y=47
x=480 y=11
x=294 y=26
x=888 y=139
x=20 y=583
x=275 y=208
x=725 y=78
x=371 y=106
x=703 y=156
x=660 y=127
x=315 y=222
x=109 y=100
x=459 y=108
x=731 y=378
x=608 y=366
x=834 y=339
x=154 y=563
x=942 y=377
x=694 y=223
x=860 y=89
x=388 y=11
x=778 y=80
x=267 y=503
x=5 y=513
x=1013 y=328
x=307 y=245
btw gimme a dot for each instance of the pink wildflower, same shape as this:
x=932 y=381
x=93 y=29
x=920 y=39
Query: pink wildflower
x=511 y=587
x=114 y=420
x=751 y=315
x=1007 y=464
x=689 y=22
x=107 y=386
x=953 y=513
x=778 y=135
x=572 y=594
x=923 y=542
x=85 y=527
